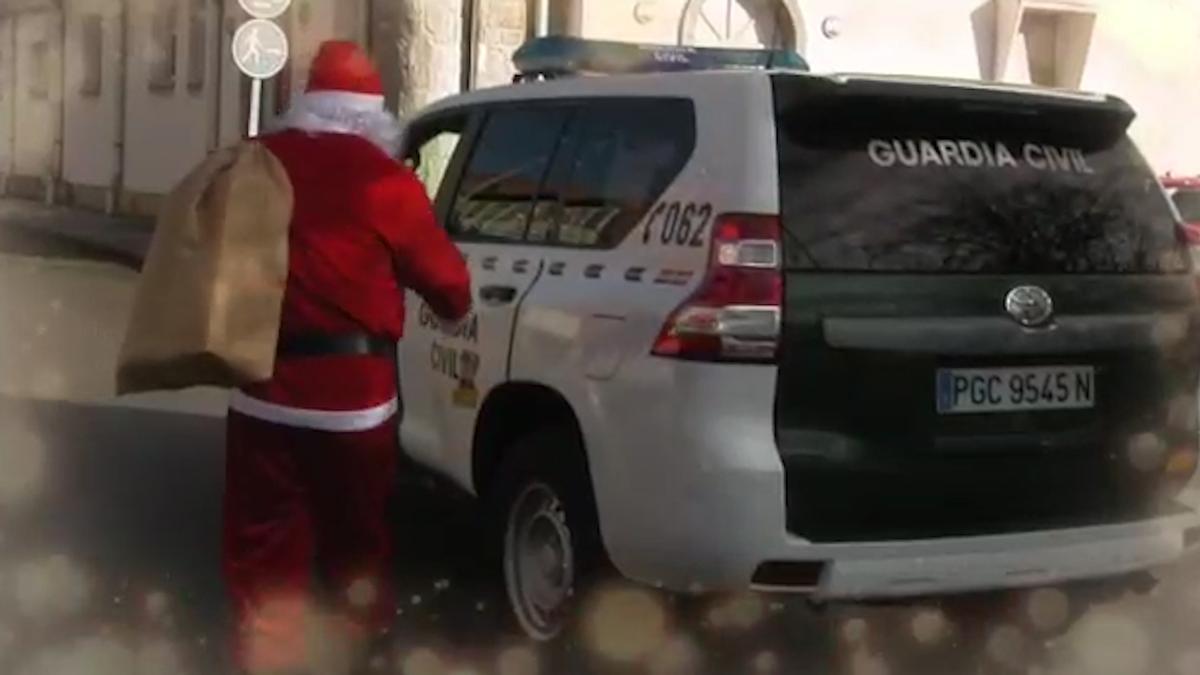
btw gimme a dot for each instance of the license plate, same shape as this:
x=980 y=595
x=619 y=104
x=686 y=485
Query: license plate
x=995 y=390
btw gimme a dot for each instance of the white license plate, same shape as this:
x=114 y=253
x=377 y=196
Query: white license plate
x=994 y=390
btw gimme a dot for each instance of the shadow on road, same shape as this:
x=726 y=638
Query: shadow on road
x=17 y=239
x=111 y=521
x=109 y=542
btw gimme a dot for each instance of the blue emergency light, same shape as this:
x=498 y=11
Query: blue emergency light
x=559 y=56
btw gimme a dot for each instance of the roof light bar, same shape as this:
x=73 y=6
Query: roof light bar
x=558 y=56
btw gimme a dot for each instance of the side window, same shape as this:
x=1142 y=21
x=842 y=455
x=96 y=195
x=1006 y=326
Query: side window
x=197 y=46
x=91 y=55
x=620 y=157
x=431 y=150
x=39 y=71
x=506 y=169
x=164 y=41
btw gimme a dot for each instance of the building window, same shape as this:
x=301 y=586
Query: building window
x=738 y=24
x=91 y=56
x=39 y=71
x=164 y=46
x=197 y=46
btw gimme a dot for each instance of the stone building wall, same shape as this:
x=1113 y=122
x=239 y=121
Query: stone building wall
x=418 y=46
x=503 y=27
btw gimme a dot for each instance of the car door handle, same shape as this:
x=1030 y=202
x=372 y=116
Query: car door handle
x=497 y=295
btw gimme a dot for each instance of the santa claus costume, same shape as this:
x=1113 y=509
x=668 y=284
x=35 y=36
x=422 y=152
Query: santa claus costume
x=312 y=453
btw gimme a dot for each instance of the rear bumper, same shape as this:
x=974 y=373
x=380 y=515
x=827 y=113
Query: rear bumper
x=693 y=499
x=904 y=569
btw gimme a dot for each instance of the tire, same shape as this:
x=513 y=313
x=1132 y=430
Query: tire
x=544 y=532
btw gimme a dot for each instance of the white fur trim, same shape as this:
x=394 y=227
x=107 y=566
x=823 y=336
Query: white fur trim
x=346 y=99
x=343 y=112
x=342 y=421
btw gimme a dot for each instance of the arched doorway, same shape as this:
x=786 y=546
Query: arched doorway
x=742 y=23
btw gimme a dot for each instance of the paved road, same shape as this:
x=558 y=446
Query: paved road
x=109 y=521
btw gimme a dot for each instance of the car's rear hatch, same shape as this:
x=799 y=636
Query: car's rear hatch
x=989 y=323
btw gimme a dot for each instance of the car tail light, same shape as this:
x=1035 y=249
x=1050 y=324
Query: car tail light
x=735 y=313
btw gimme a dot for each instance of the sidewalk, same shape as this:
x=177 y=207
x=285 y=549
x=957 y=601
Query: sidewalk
x=123 y=239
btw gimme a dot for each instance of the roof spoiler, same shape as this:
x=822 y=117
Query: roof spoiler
x=977 y=91
x=1014 y=87
x=902 y=91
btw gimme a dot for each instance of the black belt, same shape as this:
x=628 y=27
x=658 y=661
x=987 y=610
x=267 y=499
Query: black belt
x=351 y=344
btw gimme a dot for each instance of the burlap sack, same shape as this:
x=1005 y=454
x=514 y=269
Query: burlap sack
x=211 y=291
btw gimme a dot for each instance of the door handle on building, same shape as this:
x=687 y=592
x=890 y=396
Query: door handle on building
x=497 y=295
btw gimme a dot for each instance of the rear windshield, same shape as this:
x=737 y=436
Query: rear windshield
x=909 y=185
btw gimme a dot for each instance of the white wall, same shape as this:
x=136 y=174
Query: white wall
x=90 y=133
x=34 y=148
x=925 y=37
x=167 y=133
x=616 y=20
x=1147 y=51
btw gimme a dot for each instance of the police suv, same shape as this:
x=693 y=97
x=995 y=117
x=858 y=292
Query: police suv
x=739 y=326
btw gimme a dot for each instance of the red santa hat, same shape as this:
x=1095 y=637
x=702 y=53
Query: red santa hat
x=344 y=95
x=343 y=73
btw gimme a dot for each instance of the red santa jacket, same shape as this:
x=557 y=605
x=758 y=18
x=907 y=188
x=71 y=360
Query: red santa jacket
x=363 y=230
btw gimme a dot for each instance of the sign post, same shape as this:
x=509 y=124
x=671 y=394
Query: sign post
x=260 y=50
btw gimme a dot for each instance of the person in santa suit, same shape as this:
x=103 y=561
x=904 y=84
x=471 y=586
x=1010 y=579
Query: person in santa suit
x=311 y=454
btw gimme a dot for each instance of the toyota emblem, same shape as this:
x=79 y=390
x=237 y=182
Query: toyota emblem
x=1030 y=306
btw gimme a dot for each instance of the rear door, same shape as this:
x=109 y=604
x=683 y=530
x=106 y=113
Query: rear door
x=487 y=214
x=989 y=324
x=598 y=295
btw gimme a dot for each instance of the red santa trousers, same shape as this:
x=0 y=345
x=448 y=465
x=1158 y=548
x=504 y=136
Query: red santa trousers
x=307 y=479
x=305 y=511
